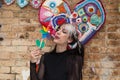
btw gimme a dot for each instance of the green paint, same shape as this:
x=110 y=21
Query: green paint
x=40 y=44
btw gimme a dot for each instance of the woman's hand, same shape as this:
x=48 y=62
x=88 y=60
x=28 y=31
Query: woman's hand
x=35 y=55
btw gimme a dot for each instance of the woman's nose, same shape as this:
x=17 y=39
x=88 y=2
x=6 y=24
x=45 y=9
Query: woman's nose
x=58 y=32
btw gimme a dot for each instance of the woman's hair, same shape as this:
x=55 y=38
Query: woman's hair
x=75 y=44
x=77 y=53
x=73 y=34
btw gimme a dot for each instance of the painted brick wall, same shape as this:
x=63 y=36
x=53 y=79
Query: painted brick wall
x=20 y=27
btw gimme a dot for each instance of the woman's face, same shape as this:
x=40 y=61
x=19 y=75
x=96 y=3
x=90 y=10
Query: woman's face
x=62 y=36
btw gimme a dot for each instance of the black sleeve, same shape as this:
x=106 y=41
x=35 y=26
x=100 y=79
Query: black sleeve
x=41 y=70
x=78 y=68
x=82 y=54
x=74 y=67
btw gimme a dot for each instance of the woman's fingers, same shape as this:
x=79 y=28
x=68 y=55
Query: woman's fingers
x=35 y=52
x=35 y=55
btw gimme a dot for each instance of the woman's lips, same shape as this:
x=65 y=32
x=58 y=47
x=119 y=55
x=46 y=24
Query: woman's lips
x=56 y=37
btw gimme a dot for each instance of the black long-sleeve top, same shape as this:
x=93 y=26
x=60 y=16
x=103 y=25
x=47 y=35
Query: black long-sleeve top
x=66 y=65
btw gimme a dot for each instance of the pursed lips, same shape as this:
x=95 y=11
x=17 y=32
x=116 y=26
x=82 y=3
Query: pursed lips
x=56 y=37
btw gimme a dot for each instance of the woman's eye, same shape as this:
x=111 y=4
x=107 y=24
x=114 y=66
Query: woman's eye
x=64 y=31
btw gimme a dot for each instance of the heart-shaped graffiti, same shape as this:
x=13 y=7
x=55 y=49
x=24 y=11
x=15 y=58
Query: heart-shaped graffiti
x=8 y=2
x=89 y=16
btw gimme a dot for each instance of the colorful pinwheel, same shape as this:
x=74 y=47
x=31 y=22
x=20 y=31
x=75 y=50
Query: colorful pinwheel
x=46 y=33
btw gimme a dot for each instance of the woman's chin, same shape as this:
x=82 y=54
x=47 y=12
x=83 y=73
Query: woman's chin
x=56 y=41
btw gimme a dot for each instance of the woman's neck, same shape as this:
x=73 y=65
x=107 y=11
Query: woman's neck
x=61 y=48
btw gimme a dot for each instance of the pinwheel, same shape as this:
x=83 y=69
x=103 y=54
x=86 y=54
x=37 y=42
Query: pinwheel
x=46 y=33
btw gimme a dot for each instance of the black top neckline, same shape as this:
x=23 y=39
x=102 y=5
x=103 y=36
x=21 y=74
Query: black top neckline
x=61 y=52
x=68 y=51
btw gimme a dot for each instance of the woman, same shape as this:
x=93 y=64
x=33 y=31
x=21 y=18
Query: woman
x=63 y=63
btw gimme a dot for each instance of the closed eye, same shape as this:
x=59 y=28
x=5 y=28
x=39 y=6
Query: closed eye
x=64 y=31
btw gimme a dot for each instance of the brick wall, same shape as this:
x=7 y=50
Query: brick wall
x=20 y=27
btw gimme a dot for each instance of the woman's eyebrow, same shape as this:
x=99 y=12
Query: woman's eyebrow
x=65 y=30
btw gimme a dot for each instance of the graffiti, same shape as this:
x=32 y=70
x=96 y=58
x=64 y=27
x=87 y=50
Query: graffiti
x=88 y=15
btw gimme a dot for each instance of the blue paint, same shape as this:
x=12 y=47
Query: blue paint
x=22 y=1
x=52 y=5
x=67 y=8
x=8 y=1
x=95 y=2
x=56 y=18
x=88 y=37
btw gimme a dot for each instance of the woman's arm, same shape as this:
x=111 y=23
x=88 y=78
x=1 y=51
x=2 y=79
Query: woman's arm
x=37 y=75
x=33 y=73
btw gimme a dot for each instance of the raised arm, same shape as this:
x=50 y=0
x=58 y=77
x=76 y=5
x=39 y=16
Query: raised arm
x=36 y=61
x=39 y=74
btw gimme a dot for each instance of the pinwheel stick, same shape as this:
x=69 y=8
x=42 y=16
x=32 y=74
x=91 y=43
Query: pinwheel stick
x=41 y=44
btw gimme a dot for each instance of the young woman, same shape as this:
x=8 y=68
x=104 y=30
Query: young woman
x=63 y=63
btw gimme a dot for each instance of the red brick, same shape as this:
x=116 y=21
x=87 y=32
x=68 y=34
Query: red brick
x=29 y=35
x=6 y=42
x=6 y=28
x=115 y=72
x=19 y=55
x=113 y=35
x=100 y=35
x=108 y=64
x=114 y=78
x=9 y=20
x=112 y=6
x=96 y=42
x=13 y=48
x=115 y=57
x=7 y=63
x=113 y=50
x=8 y=14
x=23 y=42
x=113 y=43
x=18 y=69
x=26 y=14
x=7 y=76
x=113 y=28
x=4 y=69
x=5 y=55
x=117 y=64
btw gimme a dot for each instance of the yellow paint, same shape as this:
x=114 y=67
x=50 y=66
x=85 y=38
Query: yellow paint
x=45 y=29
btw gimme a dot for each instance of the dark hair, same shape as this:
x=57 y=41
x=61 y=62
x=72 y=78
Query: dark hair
x=79 y=46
